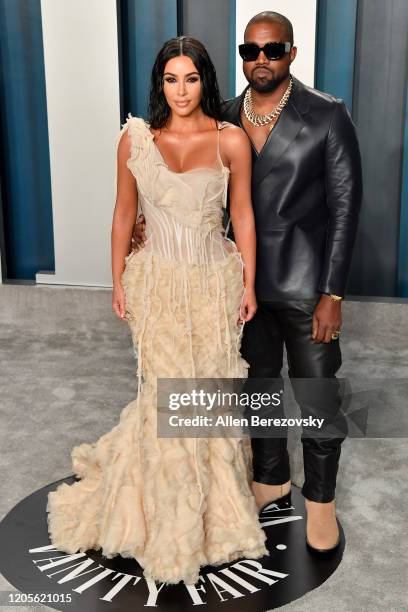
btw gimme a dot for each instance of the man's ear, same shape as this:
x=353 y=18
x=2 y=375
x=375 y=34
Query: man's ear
x=293 y=53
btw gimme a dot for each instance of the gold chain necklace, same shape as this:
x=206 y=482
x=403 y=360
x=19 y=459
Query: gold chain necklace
x=259 y=120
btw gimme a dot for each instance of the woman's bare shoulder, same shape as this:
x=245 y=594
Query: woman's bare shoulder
x=124 y=145
x=234 y=136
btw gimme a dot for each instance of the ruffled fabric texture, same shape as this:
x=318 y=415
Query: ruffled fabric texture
x=173 y=504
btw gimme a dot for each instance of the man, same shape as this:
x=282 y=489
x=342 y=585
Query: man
x=306 y=195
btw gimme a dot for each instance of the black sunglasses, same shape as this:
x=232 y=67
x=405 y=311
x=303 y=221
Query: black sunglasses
x=272 y=50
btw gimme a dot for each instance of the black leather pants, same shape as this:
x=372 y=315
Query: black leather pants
x=290 y=323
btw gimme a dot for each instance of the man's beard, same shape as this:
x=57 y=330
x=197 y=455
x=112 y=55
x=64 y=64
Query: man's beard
x=268 y=85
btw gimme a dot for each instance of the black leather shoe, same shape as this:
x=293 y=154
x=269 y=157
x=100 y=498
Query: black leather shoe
x=283 y=503
x=324 y=551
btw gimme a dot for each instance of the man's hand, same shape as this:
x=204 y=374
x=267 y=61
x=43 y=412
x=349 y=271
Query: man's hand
x=326 y=319
x=139 y=235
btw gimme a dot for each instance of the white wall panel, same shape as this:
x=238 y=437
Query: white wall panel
x=82 y=82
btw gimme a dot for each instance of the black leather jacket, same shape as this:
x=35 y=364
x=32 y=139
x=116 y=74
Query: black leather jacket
x=306 y=195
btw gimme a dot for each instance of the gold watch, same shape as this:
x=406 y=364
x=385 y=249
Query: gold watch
x=335 y=298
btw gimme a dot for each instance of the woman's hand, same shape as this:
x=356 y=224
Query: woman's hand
x=248 y=306
x=118 y=301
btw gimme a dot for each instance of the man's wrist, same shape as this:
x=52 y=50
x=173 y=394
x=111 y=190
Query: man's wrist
x=334 y=297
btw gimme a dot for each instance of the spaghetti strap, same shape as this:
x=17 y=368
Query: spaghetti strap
x=220 y=125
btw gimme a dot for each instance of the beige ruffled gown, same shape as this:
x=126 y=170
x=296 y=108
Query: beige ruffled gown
x=173 y=504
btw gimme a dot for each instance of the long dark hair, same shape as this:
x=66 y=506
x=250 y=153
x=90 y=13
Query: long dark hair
x=159 y=110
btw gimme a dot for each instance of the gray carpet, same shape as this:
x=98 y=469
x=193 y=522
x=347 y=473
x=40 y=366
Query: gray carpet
x=68 y=369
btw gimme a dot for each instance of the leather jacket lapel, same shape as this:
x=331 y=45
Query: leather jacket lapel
x=283 y=134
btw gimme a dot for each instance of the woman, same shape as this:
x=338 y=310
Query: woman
x=174 y=504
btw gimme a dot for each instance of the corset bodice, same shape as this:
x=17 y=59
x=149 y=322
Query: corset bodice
x=183 y=211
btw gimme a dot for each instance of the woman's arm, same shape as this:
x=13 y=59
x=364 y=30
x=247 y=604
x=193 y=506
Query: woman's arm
x=123 y=220
x=238 y=151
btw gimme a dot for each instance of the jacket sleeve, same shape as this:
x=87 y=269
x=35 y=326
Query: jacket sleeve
x=344 y=196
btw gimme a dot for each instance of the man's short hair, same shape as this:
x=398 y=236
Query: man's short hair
x=272 y=17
